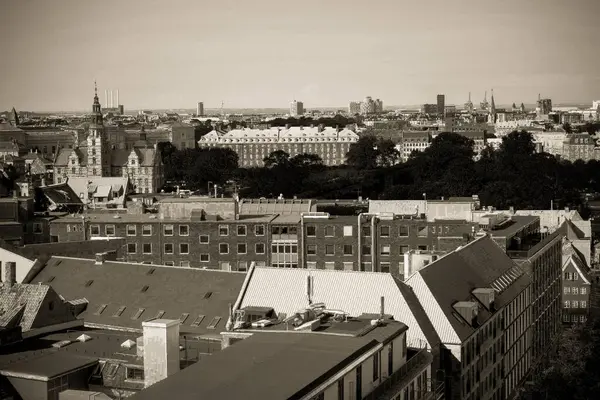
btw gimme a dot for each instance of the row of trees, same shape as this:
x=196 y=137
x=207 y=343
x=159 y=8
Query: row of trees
x=572 y=372
x=514 y=175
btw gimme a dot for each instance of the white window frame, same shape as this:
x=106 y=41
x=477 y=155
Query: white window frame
x=166 y=227
x=134 y=230
x=348 y=230
x=207 y=239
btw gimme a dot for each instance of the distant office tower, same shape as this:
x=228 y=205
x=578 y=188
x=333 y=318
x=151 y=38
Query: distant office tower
x=296 y=108
x=544 y=106
x=378 y=106
x=354 y=108
x=441 y=103
x=367 y=106
x=200 y=109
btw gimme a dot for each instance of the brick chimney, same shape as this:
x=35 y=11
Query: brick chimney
x=100 y=258
x=10 y=273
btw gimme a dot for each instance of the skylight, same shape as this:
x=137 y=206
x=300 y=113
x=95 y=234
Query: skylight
x=138 y=313
x=207 y=295
x=50 y=279
x=183 y=317
x=150 y=271
x=197 y=321
x=119 y=311
x=145 y=289
x=89 y=283
x=213 y=324
x=101 y=309
x=160 y=314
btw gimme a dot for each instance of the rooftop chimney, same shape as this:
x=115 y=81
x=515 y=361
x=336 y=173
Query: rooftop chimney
x=468 y=311
x=161 y=349
x=382 y=311
x=485 y=296
x=100 y=258
x=10 y=273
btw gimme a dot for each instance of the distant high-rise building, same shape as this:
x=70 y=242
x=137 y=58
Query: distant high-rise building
x=296 y=108
x=200 y=109
x=354 y=107
x=378 y=106
x=441 y=103
x=544 y=106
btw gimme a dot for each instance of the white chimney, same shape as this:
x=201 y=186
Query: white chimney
x=161 y=349
x=111 y=99
x=105 y=98
x=10 y=273
x=117 y=97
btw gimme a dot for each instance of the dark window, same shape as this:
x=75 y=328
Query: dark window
x=241 y=230
x=340 y=385
x=311 y=230
x=131 y=248
x=375 y=366
x=259 y=248
x=204 y=239
x=136 y=374
x=366 y=231
x=184 y=230
x=241 y=248
x=366 y=250
x=403 y=230
x=147 y=248
x=391 y=359
x=168 y=248
x=348 y=250
x=184 y=248
x=259 y=230
x=311 y=249
x=385 y=231
x=329 y=250
x=330 y=231
x=223 y=248
x=359 y=382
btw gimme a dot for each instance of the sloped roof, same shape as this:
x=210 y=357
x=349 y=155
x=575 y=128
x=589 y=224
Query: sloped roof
x=571 y=231
x=19 y=295
x=353 y=292
x=61 y=194
x=577 y=261
x=173 y=290
x=452 y=278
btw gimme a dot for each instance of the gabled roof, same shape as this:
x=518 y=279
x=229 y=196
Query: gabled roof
x=571 y=231
x=452 y=278
x=151 y=289
x=577 y=261
x=353 y=292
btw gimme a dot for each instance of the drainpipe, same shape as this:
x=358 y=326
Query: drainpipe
x=359 y=236
x=373 y=242
x=301 y=262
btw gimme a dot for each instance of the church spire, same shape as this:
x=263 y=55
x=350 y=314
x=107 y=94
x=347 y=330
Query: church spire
x=97 y=111
x=493 y=106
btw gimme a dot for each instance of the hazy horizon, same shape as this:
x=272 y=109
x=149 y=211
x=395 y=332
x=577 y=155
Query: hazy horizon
x=264 y=54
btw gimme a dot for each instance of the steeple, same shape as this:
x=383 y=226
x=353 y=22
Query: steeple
x=97 y=111
x=493 y=106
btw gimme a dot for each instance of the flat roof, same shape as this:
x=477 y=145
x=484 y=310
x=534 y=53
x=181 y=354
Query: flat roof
x=252 y=368
x=517 y=223
x=48 y=366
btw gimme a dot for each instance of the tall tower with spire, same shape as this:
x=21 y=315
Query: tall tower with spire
x=492 y=116
x=469 y=104
x=484 y=105
x=97 y=149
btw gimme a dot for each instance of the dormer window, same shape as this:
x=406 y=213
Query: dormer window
x=132 y=161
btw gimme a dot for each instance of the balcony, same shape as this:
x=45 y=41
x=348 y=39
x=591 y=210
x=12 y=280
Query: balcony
x=394 y=384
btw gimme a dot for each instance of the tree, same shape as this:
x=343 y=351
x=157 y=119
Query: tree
x=306 y=160
x=387 y=155
x=277 y=158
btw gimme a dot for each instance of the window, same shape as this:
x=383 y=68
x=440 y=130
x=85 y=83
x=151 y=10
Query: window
x=583 y=304
x=403 y=230
x=259 y=230
x=348 y=230
x=376 y=366
x=204 y=239
x=311 y=230
x=422 y=231
x=147 y=230
x=311 y=249
x=385 y=267
x=243 y=266
x=575 y=290
x=131 y=248
x=384 y=231
x=422 y=247
x=366 y=250
x=95 y=230
x=131 y=230
x=329 y=250
x=168 y=230
x=119 y=311
x=168 y=248
x=184 y=248
x=147 y=248
x=138 y=313
x=197 y=321
x=329 y=231
x=567 y=276
x=582 y=318
x=575 y=304
x=241 y=230
x=348 y=250
x=135 y=374
x=169 y=263
x=259 y=248
x=403 y=249
x=583 y=290
x=204 y=257
x=184 y=230
x=366 y=231
x=223 y=230
x=241 y=248
x=567 y=304
x=385 y=250
x=311 y=264
x=329 y=264
x=223 y=248
x=101 y=309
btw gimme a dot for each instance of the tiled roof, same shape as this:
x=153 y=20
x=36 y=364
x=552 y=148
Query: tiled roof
x=452 y=278
x=119 y=157
x=152 y=289
x=61 y=194
x=353 y=292
x=577 y=261
x=19 y=295
x=571 y=231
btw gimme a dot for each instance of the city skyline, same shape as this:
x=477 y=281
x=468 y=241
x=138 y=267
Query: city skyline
x=264 y=54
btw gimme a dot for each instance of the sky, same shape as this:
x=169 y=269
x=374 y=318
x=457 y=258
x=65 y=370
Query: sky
x=266 y=53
